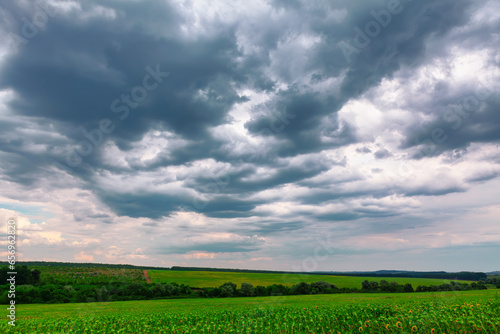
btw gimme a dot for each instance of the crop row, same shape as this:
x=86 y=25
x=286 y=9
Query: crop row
x=411 y=316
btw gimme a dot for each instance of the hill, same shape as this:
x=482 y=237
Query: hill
x=463 y=275
x=81 y=265
x=202 y=279
x=496 y=273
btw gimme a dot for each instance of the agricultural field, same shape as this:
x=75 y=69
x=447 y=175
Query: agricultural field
x=87 y=275
x=445 y=312
x=206 y=279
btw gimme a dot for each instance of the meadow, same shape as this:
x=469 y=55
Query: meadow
x=444 y=312
x=87 y=275
x=206 y=279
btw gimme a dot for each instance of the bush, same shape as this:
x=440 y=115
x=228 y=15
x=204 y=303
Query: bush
x=301 y=289
x=322 y=287
x=247 y=290
x=135 y=289
x=408 y=288
x=368 y=286
x=226 y=291
x=261 y=291
x=277 y=290
x=158 y=290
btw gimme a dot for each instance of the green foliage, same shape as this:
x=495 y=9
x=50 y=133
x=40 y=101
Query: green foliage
x=260 y=290
x=212 y=279
x=277 y=290
x=442 y=275
x=322 y=287
x=301 y=289
x=494 y=280
x=24 y=275
x=247 y=290
x=91 y=284
x=367 y=286
x=226 y=291
x=444 y=312
x=408 y=288
x=49 y=264
x=69 y=275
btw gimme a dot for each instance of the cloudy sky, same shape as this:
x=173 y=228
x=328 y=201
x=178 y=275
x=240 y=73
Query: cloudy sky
x=263 y=134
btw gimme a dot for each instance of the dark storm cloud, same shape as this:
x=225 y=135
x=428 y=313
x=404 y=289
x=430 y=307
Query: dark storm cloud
x=482 y=176
x=297 y=121
x=70 y=74
x=247 y=244
x=431 y=191
x=363 y=149
x=269 y=228
x=282 y=172
x=469 y=119
x=68 y=78
x=149 y=205
x=319 y=195
x=327 y=195
x=225 y=206
x=382 y=154
x=295 y=4
x=64 y=90
x=356 y=213
x=402 y=42
x=73 y=72
x=341 y=216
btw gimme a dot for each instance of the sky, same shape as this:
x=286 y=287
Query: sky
x=266 y=134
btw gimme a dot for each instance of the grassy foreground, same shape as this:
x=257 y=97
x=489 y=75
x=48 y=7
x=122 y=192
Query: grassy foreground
x=207 y=279
x=445 y=312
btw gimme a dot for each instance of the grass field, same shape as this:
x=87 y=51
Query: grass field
x=87 y=275
x=202 y=279
x=446 y=312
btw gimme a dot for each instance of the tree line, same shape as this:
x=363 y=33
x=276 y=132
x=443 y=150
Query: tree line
x=494 y=280
x=463 y=275
x=24 y=275
x=385 y=286
x=82 y=265
x=119 y=291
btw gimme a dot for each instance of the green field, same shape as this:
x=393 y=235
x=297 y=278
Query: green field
x=87 y=275
x=446 y=312
x=203 y=279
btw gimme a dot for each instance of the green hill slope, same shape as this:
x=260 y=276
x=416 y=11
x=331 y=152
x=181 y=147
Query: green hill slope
x=201 y=279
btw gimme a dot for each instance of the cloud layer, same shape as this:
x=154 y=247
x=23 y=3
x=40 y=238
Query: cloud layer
x=253 y=135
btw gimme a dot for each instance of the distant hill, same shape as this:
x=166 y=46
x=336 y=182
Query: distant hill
x=463 y=275
x=177 y=268
x=86 y=265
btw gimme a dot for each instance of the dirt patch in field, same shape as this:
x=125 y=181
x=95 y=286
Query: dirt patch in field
x=148 y=280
